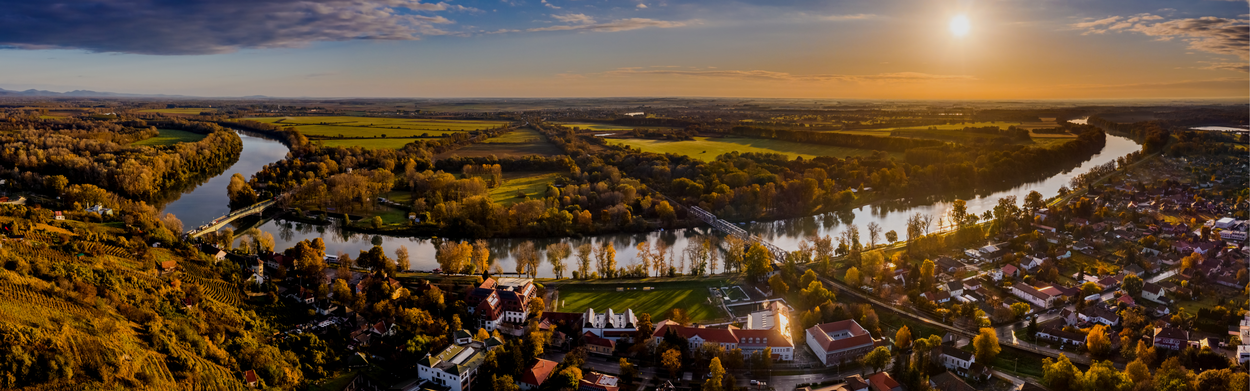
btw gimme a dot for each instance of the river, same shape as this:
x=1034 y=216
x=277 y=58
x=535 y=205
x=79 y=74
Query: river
x=209 y=201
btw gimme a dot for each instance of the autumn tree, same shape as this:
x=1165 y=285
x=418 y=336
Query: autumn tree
x=716 y=374
x=671 y=360
x=584 y=255
x=527 y=259
x=986 y=345
x=877 y=358
x=902 y=338
x=758 y=262
x=605 y=255
x=1060 y=375
x=481 y=255
x=453 y=256
x=1097 y=342
x=401 y=258
x=556 y=254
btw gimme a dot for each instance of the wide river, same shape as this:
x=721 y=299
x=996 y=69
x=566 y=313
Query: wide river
x=209 y=200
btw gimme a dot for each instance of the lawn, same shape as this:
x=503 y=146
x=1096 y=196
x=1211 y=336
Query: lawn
x=345 y=126
x=369 y=143
x=519 y=136
x=170 y=137
x=533 y=184
x=655 y=302
x=708 y=148
x=181 y=110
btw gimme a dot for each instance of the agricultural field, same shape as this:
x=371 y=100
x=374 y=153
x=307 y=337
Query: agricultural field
x=655 y=302
x=345 y=126
x=956 y=126
x=708 y=148
x=368 y=143
x=181 y=110
x=520 y=142
x=170 y=137
x=533 y=184
x=598 y=127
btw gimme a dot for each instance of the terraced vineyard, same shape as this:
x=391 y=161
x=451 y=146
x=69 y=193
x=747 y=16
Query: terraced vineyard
x=218 y=290
x=212 y=376
x=36 y=301
x=105 y=249
x=159 y=376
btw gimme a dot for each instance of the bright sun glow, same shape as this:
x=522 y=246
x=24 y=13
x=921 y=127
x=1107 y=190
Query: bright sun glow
x=960 y=26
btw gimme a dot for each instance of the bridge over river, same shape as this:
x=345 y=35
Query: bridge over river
x=221 y=222
x=727 y=227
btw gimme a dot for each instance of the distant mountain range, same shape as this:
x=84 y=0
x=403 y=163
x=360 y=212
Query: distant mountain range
x=83 y=94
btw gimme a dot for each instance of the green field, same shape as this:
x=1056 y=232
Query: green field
x=587 y=126
x=707 y=148
x=532 y=184
x=655 y=302
x=519 y=136
x=955 y=126
x=369 y=143
x=344 y=126
x=170 y=137
x=181 y=110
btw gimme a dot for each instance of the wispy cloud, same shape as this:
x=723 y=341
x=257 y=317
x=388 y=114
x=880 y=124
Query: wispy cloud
x=583 y=22
x=574 y=18
x=1220 y=83
x=1228 y=66
x=838 y=18
x=218 y=26
x=765 y=75
x=1209 y=34
x=549 y=5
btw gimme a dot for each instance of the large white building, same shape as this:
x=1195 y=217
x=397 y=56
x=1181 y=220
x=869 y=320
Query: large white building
x=1032 y=295
x=765 y=330
x=610 y=325
x=455 y=368
x=839 y=342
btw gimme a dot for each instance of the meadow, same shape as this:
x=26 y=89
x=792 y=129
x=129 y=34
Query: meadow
x=520 y=142
x=597 y=127
x=347 y=126
x=170 y=137
x=708 y=148
x=955 y=126
x=519 y=136
x=655 y=302
x=368 y=143
x=533 y=184
x=181 y=110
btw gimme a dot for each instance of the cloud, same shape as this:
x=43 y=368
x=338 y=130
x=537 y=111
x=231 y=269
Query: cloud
x=642 y=6
x=549 y=5
x=616 y=25
x=1209 y=34
x=1221 y=83
x=574 y=18
x=161 y=27
x=763 y=75
x=838 y=18
x=1229 y=66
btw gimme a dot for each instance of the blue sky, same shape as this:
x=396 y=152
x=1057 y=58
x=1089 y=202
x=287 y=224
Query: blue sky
x=827 y=49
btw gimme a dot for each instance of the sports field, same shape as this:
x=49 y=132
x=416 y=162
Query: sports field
x=533 y=184
x=708 y=148
x=369 y=143
x=170 y=137
x=345 y=126
x=181 y=110
x=656 y=302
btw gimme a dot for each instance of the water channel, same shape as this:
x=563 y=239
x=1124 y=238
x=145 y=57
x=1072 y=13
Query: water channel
x=209 y=200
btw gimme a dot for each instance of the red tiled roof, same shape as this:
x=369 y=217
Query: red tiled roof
x=592 y=339
x=859 y=336
x=882 y=381
x=538 y=373
x=249 y=376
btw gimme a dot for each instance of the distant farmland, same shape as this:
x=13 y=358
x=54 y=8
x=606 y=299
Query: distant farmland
x=708 y=148
x=170 y=137
x=181 y=110
x=348 y=127
x=520 y=142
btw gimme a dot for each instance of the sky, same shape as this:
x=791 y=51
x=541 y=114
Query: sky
x=874 y=49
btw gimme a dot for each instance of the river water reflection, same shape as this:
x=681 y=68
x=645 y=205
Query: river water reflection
x=209 y=201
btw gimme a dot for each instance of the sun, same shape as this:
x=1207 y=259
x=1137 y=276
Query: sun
x=960 y=25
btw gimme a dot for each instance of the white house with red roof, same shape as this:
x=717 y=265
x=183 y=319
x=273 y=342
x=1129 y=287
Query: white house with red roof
x=750 y=341
x=838 y=342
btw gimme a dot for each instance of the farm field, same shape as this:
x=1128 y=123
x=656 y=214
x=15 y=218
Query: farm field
x=345 y=126
x=597 y=127
x=368 y=143
x=533 y=184
x=519 y=136
x=654 y=302
x=170 y=137
x=708 y=148
x=181 y=110
x=520 y=142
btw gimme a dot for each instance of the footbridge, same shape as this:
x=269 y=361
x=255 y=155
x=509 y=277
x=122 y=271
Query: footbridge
x=729 y=228
x=221 y=222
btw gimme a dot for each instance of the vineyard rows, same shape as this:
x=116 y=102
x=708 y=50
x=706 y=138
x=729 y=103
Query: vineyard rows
x=106 y=249
x=213 y=376
x=218 y=290
x=23 y=294
x=159 y=374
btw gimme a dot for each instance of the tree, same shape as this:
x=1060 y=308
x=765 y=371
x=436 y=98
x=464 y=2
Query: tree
x=628 y=371
x=778 y=285
x=1019 y=309
x=986 y=345
x=716 y=374
x=1138 y=373
x=526 y=256
x=556 y=254
x=1089 y=288
x=583 y=259
x=481 y=255
x=671 y=360
x=852 y=277
x=874 y=234
x=481 y=334
x=1145 y=353
x=877 y=358
x=537 y=306
x=902 y=338
x=605 y=255
x=678 y=315
x=1060 y=374
x=1133 y=284
x=1102 y=376
x=758 y=262
x=891 y=236
x=666 y=213
x=926 y=275
x=401 y=258
x=1215 y=380
x=1097 y=341
x=342 y=292
x=568 y=378
x=504 y=383
x=453 y=256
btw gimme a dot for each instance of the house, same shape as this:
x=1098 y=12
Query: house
x=100 y=210
x=598 y=345
x=839 y=342
x=1099 y=314
x=595 y=381
x=1032 y=295
x=972 y=284
x=955 y=359
x=996 y=274
x=536 y=374
x=776 y=339
x=496 y=301
x=251 y=379
x=455 y=368
x=1171 y=338
x=1069 y=316
x=168 y=266
x=882 y=381
x=1054 y=333
x=948 y=265
x=1243 y=354
x=220 y=255
x=938 y=297
x=610 y=325
x=991 y=252
x=955 y=288
x=1126 y=299
x=58 y=216
x=1029 y=263
x=853 y=383
x=947 y=381
x=1010 y=271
